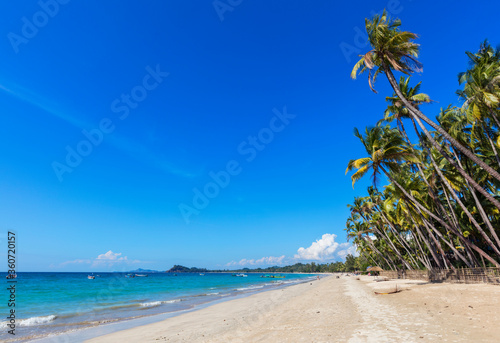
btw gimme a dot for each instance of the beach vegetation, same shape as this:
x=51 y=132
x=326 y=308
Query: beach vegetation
x=434 y=201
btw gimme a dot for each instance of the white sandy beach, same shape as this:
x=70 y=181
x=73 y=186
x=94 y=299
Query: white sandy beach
x=338 y=310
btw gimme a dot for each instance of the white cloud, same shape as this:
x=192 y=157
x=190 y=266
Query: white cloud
x=269 y=260
x=321 y=250
x=350 y=249
x=107 y=259
x=111 y=256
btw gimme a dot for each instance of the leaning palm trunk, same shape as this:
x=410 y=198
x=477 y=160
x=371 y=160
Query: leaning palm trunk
x=440 y=221
x=478 y=204
x=480 y=208
x=381 y=255
x=426 y=241
x=419 y=256
x=453 y=218
x=494 y=116
x=419 y=115
x=421 y=208
x=399 y=239
x=384 y=236
x=457 y=167
x=464 y=208
x=396 y=250
x=430 y=227
x=493 y=148
x=424 y=257
x=470 y=254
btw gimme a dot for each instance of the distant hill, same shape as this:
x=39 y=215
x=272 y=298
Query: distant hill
x=351 y=264
x=182 y=269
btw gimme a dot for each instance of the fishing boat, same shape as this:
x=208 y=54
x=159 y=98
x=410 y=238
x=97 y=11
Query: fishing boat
x=90 y=277
x=274 y=276
x=389 y=292
x=141 y=275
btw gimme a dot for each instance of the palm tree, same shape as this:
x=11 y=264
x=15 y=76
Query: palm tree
x=359 y=232
x=393 y=49
x=481 y=82
x=387 y=150
x=396 y=109
x=481 y=92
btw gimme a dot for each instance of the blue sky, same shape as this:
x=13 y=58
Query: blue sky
x=172 y=92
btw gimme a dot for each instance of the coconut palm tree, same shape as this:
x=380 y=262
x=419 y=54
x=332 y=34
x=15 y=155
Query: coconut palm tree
x=393 y=49
x=387 y=151
x=481 y=82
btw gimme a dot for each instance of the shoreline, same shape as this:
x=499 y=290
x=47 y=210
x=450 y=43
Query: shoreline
x=109 y=326
x=331 y=309
x=337 y=310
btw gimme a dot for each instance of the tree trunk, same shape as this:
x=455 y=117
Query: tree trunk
x=417 y=114
x=481 y=209
x=459 y=202
x=381 y=255
x=426 y=241
x=440 y=221
x=491 y=143
x=388 y=240
x=400 y=241
x=428 y=226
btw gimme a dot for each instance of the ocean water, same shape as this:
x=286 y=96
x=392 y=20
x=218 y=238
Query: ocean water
x=50 y=303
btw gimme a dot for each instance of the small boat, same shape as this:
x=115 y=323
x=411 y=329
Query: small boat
x=141 y=275
x=397 y=291
x=90 y=277
x=201 y=274
x=130 y=275
x=391 y=292
x=11 y=276
x=241 y=275
x=274 y=276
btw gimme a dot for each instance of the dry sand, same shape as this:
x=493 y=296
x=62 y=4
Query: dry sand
x=338 y=310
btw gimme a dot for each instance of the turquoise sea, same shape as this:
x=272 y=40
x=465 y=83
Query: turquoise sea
x=49 y=303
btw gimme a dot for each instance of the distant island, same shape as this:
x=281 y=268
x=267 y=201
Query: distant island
x=182 y=269
x=351 y=264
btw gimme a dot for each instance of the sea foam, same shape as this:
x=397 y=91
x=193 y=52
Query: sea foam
x=249 y=288
x=34 y=321
x=158 y=303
